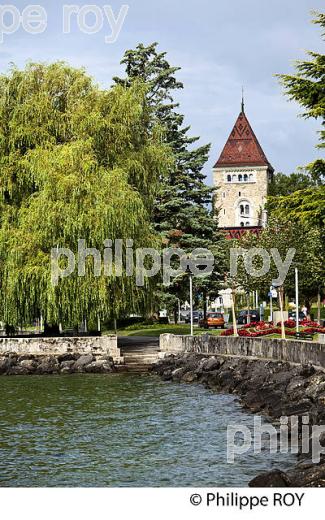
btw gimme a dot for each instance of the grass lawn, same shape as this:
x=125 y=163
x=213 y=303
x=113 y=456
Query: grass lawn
x=156 y=330
x=182 y=329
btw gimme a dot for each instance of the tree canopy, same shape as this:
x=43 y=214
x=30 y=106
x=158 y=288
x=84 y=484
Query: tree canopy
x=183 y=208
x=307 y=87
x=76 y=162
x=282 y=235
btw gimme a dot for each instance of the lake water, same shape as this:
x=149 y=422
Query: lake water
x=120 y=430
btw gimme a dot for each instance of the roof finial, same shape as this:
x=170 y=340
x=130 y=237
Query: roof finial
x=242 y=100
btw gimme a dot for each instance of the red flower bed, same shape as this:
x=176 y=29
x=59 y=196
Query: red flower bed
x=309 y=323
x=228 y=332
x=258 y=329
x=288 y=323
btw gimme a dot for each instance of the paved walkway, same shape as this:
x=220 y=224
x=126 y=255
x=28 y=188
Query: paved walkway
x=139 y=352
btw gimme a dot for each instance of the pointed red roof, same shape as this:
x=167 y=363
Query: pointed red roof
x=242 y=147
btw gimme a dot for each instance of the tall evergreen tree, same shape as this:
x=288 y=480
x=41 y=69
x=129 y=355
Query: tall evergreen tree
x=181 y=214
x=307 y=87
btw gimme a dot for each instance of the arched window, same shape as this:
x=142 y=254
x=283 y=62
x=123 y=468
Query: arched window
x=242 y=224
x=250 y=177
x=245 y=177
x=243 y=213
x=234 y=178
x=240 y=178
x=229 y=178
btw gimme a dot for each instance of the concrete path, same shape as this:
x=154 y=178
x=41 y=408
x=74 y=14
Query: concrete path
x=139 y=352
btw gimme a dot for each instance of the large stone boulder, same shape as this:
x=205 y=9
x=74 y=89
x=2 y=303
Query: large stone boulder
x=274 y=478
x=83 y=361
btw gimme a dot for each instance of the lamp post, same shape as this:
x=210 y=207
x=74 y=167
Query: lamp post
x=297 y=299
x=191 y=300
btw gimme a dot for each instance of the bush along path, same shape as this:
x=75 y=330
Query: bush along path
x=273 y=389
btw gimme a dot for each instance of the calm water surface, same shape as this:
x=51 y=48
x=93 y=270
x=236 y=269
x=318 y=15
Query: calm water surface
x=120 y=430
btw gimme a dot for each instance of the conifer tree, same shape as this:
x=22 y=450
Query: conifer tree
x=307 y=87
x=181 y=213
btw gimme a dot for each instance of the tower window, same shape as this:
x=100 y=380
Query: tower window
x=245 y=177
x=224 y=211
x=234 y=178
x=246 y=209
x=242 y=224
x=240 y=178
x=241 y=209
x=229 y=178
x=251 y=177
x=239 y=194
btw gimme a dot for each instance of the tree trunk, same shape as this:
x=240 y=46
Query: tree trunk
x=204 y=305
x=308 y=307
x=234 y=322
x=281 y=292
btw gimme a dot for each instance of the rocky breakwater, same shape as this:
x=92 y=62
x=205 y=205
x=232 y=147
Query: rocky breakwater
x=67 y=363
x=271 y=388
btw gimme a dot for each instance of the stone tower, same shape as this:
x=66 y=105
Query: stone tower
x=242 y=174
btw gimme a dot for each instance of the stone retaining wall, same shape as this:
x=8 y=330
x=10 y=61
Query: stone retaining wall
x=98 y=346
x=302 y=352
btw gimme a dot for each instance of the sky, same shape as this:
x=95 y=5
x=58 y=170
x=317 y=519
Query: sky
x=220 y=47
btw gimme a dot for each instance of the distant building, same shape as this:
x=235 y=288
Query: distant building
x=242 y=173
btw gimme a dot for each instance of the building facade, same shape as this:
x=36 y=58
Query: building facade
x=242 y=175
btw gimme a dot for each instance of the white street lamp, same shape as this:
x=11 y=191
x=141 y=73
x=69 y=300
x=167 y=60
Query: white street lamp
x=191 y=301
x=297 y=300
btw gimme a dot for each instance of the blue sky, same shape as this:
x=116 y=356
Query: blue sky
x=220 y=45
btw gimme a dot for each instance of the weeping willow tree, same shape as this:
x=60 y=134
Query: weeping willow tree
x=76 y=162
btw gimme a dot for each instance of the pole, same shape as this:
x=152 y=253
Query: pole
x=297 y=299
x=318 y=307
x=98 y=323
x=234 y=322
x=179 y=310
x=191 y=302
x=271 y=308
x=283 y=334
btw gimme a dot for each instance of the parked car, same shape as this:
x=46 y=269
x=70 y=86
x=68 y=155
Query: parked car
x=197 y=315
x=292 y=315
x=253 y=314
x=213 y=320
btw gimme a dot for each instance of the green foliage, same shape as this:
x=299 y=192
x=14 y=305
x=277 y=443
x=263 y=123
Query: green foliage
x=283 y=185
x=282 y=235
x=307 y=87
x=303 y=206
x=75 y=162
x=181 y=213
